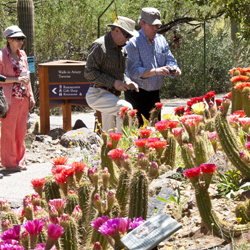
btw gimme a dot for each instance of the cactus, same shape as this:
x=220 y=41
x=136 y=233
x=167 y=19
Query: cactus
x=72 y=201
x=241 y=212
x=138 y=204
x=154 y=113
x=25 y=13
x=115 y=212
x=69 y=239
x=170 y=152
x=246 y=101
x=107 y=162
x=210 y=125
x=125 y=120
x=122 y=192
x=42 y=237
x=11 y=217
x=230 y=144
x=238 y=100
x=51 y=190
x=187 y=158
x=36 y=127
x=200 y=151
x=84 y=192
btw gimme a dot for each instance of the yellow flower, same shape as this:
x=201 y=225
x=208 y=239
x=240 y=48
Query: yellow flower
x=80 y=133
x=70 y=143
x=99 y=124
x=96 y=130
x=198 y=108
x=112 y=14
x=239 y=220
x=168 y=117
x=73 y=135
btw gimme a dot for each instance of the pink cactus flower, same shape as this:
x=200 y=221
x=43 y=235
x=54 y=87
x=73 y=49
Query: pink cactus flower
x=136 y=222
x=77 y=213
x=12 y=233
x=59 y=204
x=99 y=221
x=34 y=227
x=97 y=246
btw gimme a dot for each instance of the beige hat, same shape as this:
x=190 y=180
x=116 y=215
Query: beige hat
x=126 y=24
x=151 y=15
x=13 y=31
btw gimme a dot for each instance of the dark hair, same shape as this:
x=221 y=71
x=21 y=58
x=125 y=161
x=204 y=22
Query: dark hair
x=24 y=43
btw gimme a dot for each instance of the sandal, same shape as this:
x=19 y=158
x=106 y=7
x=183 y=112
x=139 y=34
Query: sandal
x=16 y=169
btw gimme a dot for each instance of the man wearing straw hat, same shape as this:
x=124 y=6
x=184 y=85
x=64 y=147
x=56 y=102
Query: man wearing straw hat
x=105 y=70
x=149 y=60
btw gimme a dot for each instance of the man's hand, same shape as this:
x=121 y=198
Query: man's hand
x=165 y=71
x=133 y=86
x=177 y=72
x=120 y=85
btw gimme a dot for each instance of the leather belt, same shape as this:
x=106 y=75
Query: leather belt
x=113 y=91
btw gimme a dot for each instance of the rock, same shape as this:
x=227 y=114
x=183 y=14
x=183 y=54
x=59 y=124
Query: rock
x=40 y=138
x=154 y=203
x=82 y=137
x=56 y=133
x=221 y=161
x=79 y=124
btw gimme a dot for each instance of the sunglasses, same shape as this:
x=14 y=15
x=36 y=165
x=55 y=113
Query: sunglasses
x=18 y=39
x=125 y=34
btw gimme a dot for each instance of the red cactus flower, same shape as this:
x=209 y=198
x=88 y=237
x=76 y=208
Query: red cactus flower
x=161 y=125
x=115 y=136
x=179 y=110
x=172 y=124
x=145 y=132
x=78 y=166
x=57 y=169
x=158 y=105
x=60 y=178
x=133 y=112
x=115 y=154
x=208 y=168
x=157 y=144
x=239 y=78
x=38 y=182
x=153 y=139
x=192 y=172
x=59 y=161
x=218 y=102
x=177 y=131
x=242 y=85
x=123 y=109
x=121 y=114
x=241 y=113
x=190 y=103
x=109 y=143
x=247 y=145
x=69 y=171
x=141 y=142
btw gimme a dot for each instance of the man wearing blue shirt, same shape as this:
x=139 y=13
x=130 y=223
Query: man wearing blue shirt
x=149 y=60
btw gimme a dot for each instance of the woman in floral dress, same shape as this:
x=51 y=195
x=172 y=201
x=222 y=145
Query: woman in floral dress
x=20 y=98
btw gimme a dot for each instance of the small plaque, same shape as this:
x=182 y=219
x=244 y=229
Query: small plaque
x=31 y=64
x=153 y=231
x=68 y=90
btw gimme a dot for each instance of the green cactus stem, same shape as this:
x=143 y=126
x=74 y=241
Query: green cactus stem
x=51 y=190
x=238 y=100
x=230 y=144
x=210 y=219
x=154 y=113
x=200 y=151
x=138 y=205
x=69 y=239
x=42 y=237
x=210 y=125
x=125 y=120
x=116 y=211
x=170 y=152
x=107 y=162
x=72 y=201
x=246 y=101
x=11 y=216
x=122 y=192
x=187 y=158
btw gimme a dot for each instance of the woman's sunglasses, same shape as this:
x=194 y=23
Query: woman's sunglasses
x=125 y=34
x=18 y=39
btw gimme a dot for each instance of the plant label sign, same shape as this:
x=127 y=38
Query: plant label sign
x=68 y=90
x=153 y=231
x=31 y=64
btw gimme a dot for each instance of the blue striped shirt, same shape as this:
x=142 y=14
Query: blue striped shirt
x=143 y=55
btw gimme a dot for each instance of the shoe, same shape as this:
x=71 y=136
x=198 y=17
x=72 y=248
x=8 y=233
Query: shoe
x=1 y=176
x=16 y=169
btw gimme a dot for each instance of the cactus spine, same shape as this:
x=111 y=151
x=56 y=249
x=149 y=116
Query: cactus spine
x=84 y=192
x=72 y=201
x=138 y=205
x=42 y=237
x=122 y=192
x=170 y=152
x=51 y=190
x=230 y=144
x=241 y=212
x=11 y=217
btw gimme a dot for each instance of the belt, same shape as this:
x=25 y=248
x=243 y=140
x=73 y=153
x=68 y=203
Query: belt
x=113 y=91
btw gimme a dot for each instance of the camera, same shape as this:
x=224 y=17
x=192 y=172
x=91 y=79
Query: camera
x=2 y=78
x=172 y=71
x=132 y=89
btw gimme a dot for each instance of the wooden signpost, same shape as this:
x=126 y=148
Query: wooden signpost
x=61 y=83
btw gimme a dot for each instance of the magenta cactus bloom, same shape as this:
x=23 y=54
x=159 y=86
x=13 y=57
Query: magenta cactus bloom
x=136 y=222
x=10 y=245
x=54 y=231
x=12 y=233
x=99 y=221
x=52 y=211
x=6 y=224
x=34 y=227
x=55 y=220
x=110 y=227
x=97 y=246
x=77 y=213
x=124 y=224
x=64 y=220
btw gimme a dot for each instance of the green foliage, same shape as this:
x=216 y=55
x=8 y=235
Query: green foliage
x=230 y=182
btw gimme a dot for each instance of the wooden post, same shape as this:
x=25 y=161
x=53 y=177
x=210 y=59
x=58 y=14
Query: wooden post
x=66 y=116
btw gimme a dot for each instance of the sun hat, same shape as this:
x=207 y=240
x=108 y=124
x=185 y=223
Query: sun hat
x=126 y=24
x=151 y=15
x=13 y=31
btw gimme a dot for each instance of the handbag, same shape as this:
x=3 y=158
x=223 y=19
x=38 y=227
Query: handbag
x=3 y=104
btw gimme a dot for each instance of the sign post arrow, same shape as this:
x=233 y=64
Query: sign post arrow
x=54 y=90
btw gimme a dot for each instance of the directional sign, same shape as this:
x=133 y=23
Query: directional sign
x=68 y=90
x=31 y=64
